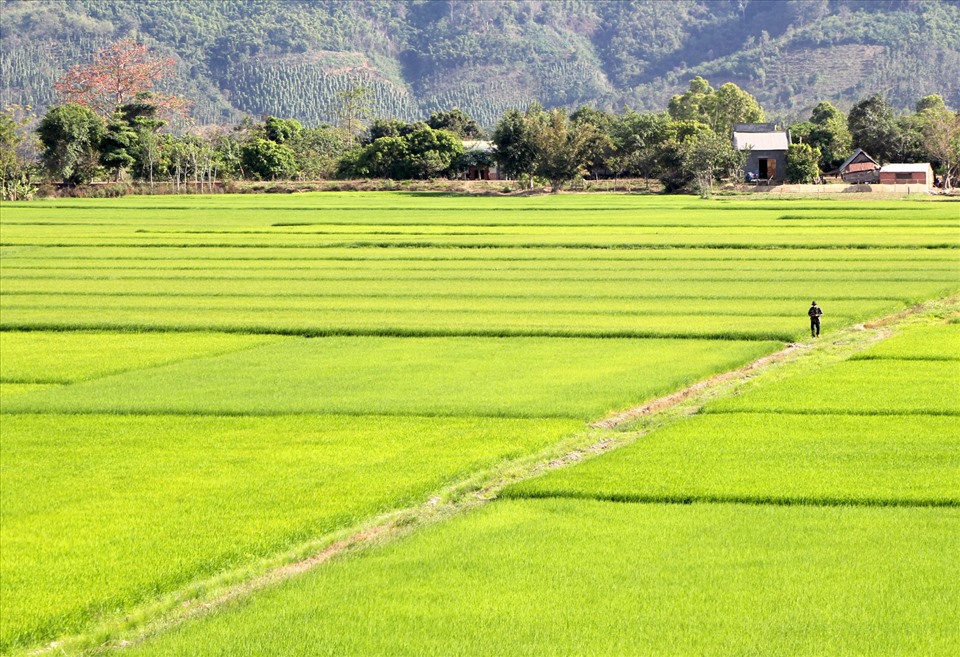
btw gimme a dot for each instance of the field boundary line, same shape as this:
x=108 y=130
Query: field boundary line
x=480 y=488
x=754 y=500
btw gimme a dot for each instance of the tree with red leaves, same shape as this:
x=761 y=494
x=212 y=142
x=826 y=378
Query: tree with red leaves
x=119 y=74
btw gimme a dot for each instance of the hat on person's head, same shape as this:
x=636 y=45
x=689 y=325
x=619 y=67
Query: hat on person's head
x=813 y=303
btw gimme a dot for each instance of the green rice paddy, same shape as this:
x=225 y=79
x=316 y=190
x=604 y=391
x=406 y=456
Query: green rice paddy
x=860 y=387
x=102 y=512
x=195 y=387
x=580 y=577
x=764 y=458
x=522 y=377
x=929 y=343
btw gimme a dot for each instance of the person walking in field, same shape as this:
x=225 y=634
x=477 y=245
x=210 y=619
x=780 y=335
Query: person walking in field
x=814 y=313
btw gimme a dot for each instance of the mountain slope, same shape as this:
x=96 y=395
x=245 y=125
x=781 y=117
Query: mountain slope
x=290 y=57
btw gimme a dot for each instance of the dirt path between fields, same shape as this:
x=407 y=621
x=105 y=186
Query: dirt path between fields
x=604 y=435
x=690 y=391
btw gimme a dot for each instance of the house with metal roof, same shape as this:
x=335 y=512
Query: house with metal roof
x=858 y=168
x=907 y=174
x=767 y=146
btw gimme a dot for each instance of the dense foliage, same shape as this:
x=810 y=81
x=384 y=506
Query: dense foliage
x=112 y=127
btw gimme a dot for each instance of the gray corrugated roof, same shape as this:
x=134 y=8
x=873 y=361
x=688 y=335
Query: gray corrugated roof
x=761 y=141
x=754 y=127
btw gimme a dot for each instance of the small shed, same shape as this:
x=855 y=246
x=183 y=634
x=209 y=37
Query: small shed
x=480 y=157
x=907 y=174
x=767 y=160
x=858 y=168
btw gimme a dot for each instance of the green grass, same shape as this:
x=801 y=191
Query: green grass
x=57 y=357
x=929 y=343
x=573 y=577
x=7 y=389
x=779 y=459
x=859 y=387
x=100 y=513
x=546 y=377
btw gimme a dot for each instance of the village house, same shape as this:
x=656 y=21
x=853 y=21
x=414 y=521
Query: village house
x=907 y=174
x=859 y=168
x=767 y=161
x=482 y=165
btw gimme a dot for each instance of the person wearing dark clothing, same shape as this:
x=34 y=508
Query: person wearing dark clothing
x=814 y=314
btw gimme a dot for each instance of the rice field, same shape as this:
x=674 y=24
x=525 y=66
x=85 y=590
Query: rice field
x=194 y=387
x=581 y=577
x=773 y=458
x=726 y=534
x=101 y=512
x=464 y=376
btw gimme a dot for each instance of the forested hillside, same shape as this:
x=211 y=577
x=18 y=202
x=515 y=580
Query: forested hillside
x=290 y=58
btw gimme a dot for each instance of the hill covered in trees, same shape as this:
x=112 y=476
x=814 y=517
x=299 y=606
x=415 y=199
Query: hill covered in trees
x=290 y=58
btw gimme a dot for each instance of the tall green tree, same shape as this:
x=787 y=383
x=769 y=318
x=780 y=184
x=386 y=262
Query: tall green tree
x=268 y=160
x=516 y=152
x=17 y=155
x=599 y=147
x=873 y=127
x=117 y=146
x=708 y=158
x=143 y=117
x=638 y=139
x=431 y=152
x=829 y=133
x=407 y=151
x=456 y=121
x=353 y=109
x=803 y=164
x=563 y=148
x=676 y=172
x=718 y=109
x=70 y=135
x=280 y=131
x=731 y=104
x=318 y=151
x=941 y=138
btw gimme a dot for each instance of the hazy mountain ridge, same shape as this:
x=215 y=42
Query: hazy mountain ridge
x=290 y=58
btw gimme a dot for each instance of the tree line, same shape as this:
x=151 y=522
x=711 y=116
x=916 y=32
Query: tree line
x=114 y=126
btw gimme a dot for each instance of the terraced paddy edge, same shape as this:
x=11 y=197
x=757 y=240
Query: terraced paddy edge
x=645 y=579
x=125 y=515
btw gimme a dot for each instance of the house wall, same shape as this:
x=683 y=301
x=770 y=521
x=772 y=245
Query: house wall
x=864 y=176
x=834 y=190
x=753 y=162
x=916 y=178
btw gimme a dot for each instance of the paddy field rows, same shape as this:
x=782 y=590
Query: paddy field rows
x=196 y=386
